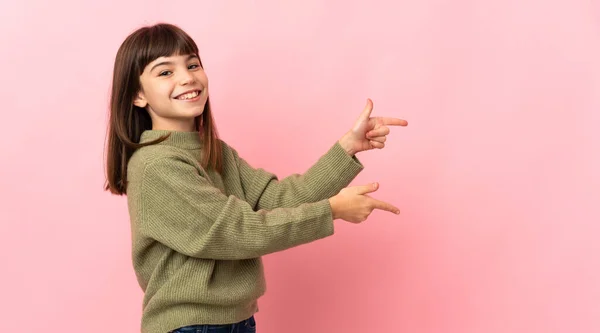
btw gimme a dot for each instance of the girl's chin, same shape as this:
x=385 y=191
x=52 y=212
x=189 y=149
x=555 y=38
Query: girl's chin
x=191 y=110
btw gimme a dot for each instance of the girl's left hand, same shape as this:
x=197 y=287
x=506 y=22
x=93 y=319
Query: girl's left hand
x=368 y=133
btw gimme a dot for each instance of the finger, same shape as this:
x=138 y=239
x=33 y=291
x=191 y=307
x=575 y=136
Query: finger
x=364 y=189
x=378 y=204
x=379 y=139
x=378 y=145
x=366 y=113
x=378 y=131
x=389 y=121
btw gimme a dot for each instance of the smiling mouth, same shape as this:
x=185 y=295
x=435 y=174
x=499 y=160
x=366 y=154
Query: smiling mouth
x=190 y=95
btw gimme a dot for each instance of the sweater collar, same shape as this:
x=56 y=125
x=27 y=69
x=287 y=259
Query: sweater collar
x=185 y=140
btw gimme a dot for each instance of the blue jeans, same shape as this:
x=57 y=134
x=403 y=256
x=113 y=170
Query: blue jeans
x=244 y=326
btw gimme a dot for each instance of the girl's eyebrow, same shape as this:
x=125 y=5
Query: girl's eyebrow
x=191 y=56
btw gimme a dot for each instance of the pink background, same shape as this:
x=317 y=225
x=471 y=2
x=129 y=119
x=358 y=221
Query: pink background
x=497 y=175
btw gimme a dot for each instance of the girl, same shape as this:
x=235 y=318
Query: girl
x=201 y=216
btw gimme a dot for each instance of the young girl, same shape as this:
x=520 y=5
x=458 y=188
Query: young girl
x=201 y=216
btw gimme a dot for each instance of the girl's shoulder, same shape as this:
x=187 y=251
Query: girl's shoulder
x=148 y=155
x=228 y=151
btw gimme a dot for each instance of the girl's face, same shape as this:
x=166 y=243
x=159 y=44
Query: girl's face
x=174 y=90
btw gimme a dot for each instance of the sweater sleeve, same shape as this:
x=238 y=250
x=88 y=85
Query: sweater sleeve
x=331 y=173
x=183 y=210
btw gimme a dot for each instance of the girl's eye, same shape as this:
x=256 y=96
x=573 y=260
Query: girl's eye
x=193 y=66
x=163 y=73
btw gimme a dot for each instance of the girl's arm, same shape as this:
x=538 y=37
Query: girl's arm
x=334 y=171
x=175 y=205
x=330 y=174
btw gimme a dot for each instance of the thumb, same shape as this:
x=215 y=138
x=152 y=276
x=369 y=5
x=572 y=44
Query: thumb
x=364 y=189
x=366 y=113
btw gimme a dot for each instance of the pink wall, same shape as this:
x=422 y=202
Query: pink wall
x=496 y=176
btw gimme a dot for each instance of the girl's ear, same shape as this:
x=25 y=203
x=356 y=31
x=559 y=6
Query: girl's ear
x=140 y=100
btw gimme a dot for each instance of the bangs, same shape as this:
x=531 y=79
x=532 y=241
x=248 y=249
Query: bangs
x=163 y=41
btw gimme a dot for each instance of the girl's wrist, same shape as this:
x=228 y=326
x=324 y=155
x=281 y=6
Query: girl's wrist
x=333 y=206
x=346 y=143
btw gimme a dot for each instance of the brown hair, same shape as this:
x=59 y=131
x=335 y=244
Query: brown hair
x=127 y=121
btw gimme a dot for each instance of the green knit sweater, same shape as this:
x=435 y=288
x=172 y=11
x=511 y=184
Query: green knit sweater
x=198 y=236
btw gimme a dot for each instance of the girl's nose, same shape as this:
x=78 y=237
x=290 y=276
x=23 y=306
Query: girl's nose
x=186 y=79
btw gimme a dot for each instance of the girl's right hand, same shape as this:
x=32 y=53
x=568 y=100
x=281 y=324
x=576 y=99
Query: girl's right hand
x=353 y=204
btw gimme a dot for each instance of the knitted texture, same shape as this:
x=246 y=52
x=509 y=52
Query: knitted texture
x=198 y=236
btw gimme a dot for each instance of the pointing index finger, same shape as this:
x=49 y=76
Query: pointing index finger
x=385 y=206
x=391 y=121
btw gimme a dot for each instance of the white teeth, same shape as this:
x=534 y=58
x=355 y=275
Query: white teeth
x=189 y=95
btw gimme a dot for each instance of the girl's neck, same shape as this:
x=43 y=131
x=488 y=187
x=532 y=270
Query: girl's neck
x=175 y=126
